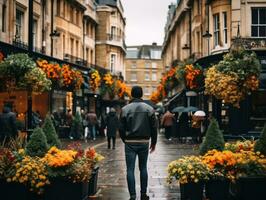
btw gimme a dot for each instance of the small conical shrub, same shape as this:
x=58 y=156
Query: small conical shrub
x=37 y=145
x=76 y=127
x=214 y=138
x=260 y=144
x=50 y=133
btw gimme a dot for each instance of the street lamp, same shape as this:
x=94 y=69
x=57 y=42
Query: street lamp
x=208 y=36
x=54 y=35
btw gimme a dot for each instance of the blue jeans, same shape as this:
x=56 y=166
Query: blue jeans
x=93 y=132
x=131 y=152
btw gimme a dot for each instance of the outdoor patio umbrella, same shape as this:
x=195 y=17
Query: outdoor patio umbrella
x=178 y=109
x=190 y=109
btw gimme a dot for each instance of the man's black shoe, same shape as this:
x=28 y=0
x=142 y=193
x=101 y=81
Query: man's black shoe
x=144 y=197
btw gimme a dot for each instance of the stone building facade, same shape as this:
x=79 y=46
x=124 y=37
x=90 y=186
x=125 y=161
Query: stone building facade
x=144 y=67
x=110 y=36
x=203 y=31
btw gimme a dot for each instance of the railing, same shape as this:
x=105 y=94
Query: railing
x=75 y=60
x=112 y=37
x=24 y=45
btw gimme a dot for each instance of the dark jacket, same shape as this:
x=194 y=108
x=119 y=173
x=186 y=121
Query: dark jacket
x=8 y=126
x=112 y=124
x=138 y=122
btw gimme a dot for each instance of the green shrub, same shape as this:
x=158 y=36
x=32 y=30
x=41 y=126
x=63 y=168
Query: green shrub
x=37 y=145
x=50 y=132
x=213 y=139
x=260 y=144
x=76 y=127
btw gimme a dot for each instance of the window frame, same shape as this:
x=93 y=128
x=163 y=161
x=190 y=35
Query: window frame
x=216 y=29
x=19 y=25
x=112 y=62
x=259 y=25
x=225 y=28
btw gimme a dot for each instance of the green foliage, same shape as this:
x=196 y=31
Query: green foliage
x=241 y=63
x=50 y=133
x=213 y=139
x=37 y=145
x=261 y=142
x=16 y=66
x=76 y=128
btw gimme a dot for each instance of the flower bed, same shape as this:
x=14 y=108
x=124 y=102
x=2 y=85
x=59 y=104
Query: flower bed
x=233 y=165
x=40 y=174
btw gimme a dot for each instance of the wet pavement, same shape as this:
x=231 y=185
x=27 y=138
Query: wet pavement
x=112 y=183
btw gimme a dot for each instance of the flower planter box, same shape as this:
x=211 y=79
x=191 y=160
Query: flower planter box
x=15 y=191
x=64 y=189
x=191 y=191
x=217 y=189
x=251 y=188
x=93 y=182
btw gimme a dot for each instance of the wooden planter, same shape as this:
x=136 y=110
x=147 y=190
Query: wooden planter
x=65 y=189
x=15 y=191
x=251 y=188
x=92 y=189
x=191 y=191
x=217 y=189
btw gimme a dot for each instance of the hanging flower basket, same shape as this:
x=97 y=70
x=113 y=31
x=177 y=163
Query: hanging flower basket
x=235 y=77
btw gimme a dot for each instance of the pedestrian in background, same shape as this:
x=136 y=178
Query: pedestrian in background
x=69 y=121
x=138 y=125
x=92 y=123
x=8 y=128
x=112 y=124
x=168 y=122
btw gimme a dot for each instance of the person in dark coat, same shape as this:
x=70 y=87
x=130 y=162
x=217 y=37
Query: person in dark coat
x=8 y=128
x=112 y=124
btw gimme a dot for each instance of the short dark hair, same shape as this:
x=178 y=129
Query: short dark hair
x=136 y=92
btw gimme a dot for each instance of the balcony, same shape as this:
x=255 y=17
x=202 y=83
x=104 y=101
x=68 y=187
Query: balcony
x=24 y=45
x=75 y=60
x=112 y=37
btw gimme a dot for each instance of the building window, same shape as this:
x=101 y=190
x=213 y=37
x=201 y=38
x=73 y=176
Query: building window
x=258 y=26
x=112 y=63
x=225 y=27
x=147 y=65
x=147 y=76
x=154 y=65
x=77 y=48
x=146 y=91
x=4 y=18
x=156 y=54
x=112 y=35
x=64 y=44
x=72 y=46
x=77 y=17
x=35 y=28
x=134 y=64
x=92 y=57
x=133 y=76
x=19 y=25
x=72 y=13
x=154 y=76
x=216 y=20
x=58 y=2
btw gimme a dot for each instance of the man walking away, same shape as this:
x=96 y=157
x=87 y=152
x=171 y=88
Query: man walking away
x=8 y=128
x=138 y=125
x=92 y=122
x=112 y=124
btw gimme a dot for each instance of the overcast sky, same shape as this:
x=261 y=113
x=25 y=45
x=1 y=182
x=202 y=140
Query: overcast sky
x=145 y=20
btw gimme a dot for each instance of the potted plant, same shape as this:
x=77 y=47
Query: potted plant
x=68 y=172
x=221 y=166
x=250 y=176
x=191 y=172
x=213 y=139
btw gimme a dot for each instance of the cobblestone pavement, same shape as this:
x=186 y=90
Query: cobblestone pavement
x=112 y=183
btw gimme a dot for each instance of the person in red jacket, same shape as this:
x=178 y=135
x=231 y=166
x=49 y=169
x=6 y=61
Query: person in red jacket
x=168 y=122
